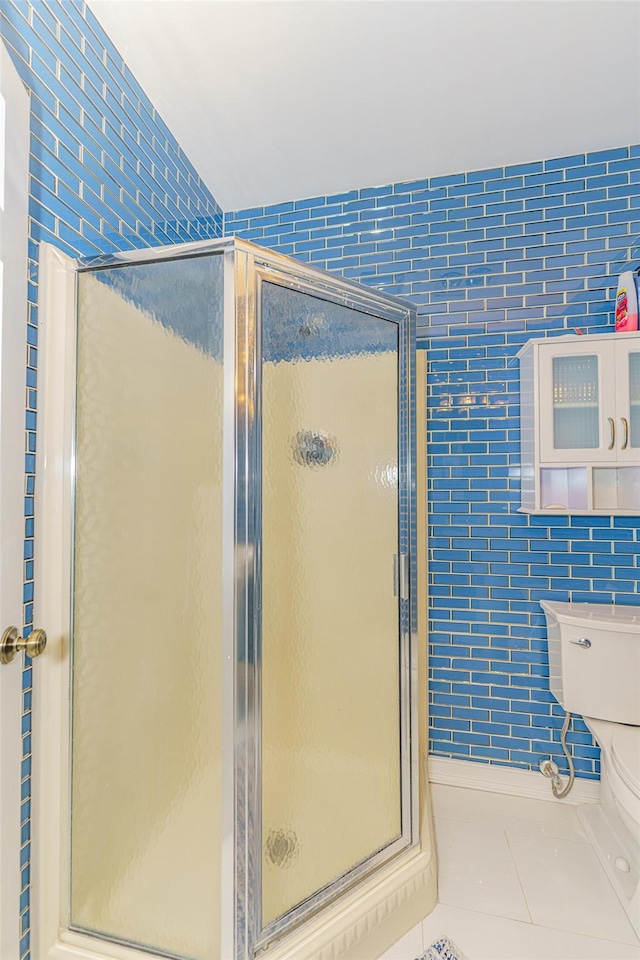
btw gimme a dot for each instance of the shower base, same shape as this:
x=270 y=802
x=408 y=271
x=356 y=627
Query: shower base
x=369 y=920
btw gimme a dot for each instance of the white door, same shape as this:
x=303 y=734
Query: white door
x=577 y=402
x=14 y=160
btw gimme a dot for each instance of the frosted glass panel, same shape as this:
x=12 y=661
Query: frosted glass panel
x=563 y=488
x=330 y=634
x=146 y=750
x=576 y=416
x=634 y=399
x=616 y=488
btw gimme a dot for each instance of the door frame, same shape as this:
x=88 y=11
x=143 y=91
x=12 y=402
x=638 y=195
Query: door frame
x=50 y=939
x=14 y=220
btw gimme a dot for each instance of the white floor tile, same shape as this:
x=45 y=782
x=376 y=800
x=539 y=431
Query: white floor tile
x=484 y=937
x=476 y=869
x=409 y=947
x=519 y=880
x=546 y=817
x=566 y=888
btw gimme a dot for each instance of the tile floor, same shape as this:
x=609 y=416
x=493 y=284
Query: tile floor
x=518 y=880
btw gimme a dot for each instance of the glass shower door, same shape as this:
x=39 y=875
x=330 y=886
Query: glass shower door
x=332 y=738
x=232 y=601
x=146 y=633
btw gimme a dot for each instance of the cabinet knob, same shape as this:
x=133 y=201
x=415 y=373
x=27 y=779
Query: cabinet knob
x=612 y=424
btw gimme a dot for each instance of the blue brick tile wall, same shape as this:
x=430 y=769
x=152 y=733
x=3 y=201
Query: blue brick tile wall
x=490 y=258
x=105 y=174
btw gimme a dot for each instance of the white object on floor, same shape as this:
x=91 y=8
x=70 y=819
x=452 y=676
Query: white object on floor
x=443 y=949
x=594 y=654
x=613 y=825
x=612 y=848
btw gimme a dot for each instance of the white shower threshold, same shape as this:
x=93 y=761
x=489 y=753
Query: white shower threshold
x=369 y=917
x=518 y=880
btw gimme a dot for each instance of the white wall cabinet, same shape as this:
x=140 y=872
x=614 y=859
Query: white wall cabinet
x=580 y=424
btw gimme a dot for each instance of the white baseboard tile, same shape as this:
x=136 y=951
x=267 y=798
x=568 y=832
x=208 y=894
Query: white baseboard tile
x=494 y=778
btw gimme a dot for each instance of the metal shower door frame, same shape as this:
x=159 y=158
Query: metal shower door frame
x=245 y=267
x=253 y=267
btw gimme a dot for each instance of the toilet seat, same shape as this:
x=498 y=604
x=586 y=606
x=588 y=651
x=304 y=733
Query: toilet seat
x=625 y=755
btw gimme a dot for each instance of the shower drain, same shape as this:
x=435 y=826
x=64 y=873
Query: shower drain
x=282 y=847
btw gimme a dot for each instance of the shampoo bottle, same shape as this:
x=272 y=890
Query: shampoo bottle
x=626 y=303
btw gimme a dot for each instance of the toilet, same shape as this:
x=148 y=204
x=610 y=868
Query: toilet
x=594 y=670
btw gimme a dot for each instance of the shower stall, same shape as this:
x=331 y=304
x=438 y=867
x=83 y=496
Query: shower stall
x=229 y=541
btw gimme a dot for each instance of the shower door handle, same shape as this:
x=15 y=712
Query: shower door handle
x=401 y=576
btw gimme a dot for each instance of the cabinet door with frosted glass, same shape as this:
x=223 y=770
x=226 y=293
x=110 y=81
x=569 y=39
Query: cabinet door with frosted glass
x=627 y=364
x=577 y=402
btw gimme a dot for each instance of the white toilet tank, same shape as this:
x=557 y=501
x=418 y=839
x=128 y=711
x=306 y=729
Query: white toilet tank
x=594 y=659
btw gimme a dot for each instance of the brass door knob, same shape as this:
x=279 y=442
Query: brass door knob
x=12 y=643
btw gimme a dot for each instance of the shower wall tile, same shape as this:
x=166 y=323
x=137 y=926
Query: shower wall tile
x=490 y=259
x=105 y=174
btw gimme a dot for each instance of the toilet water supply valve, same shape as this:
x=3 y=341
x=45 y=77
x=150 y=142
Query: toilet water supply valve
x=548 y=768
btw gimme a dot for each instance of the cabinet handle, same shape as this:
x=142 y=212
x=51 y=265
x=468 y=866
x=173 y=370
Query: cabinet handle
x=612 y=424
x=625 y=426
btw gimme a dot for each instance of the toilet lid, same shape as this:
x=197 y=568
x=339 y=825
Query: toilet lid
x=625 y=754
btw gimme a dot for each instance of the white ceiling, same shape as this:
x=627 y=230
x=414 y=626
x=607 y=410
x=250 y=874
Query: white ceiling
x=282 y=99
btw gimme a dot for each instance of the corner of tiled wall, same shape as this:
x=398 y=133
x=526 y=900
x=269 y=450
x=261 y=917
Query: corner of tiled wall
x=105 y=174
x=490 y=258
